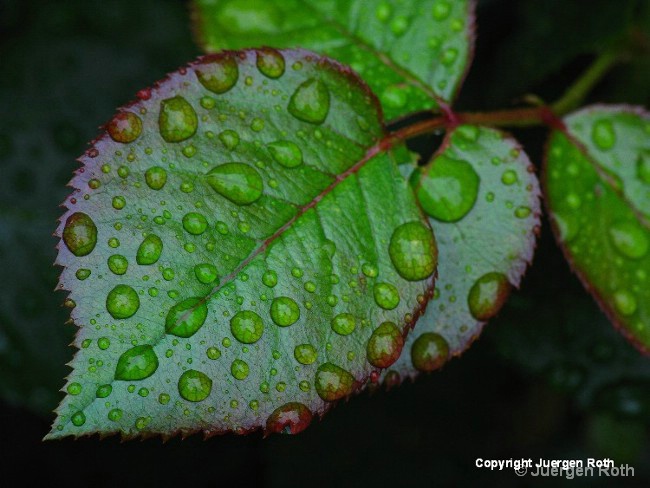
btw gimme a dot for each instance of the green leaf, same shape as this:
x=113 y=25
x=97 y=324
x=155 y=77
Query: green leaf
x=285 y=236
x=482 y=196
x=598 y=191
x=413 y=54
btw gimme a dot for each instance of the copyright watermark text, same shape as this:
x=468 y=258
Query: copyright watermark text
x=565 y=468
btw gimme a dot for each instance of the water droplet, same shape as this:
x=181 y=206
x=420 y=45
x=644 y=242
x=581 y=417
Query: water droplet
x=156 y=177
x=239 y=369
x=625 y=302
x=383 y=11
x=270 y=63
x=238 y=182
x=122 y=302
x=230 y=139
x=115 y=415
x=118 y=264
x=509 y=177
x=305 y=353
x=213 y=353
x=136 y=363
x=333 y=382
x=290 y=418
x=185 y=318
x=257 y=124
x=220 y=75
x=177 y=121
x=194 y=386
x=247 y=326
x=487 y=295
x=74 y=388
x=286 y=153
x=195 y=223
x=344 y=324
x=522 y=212
x=125 y=127
x=270 y=278
x=80 y=234
x=603 y=134
x=104 y=391
x=629 y=239
x=119 y=202
x=413 y=251
x=643 y=168
x=370 y=270
x=386 y=295
x=149 y=250
x=441 y=10
x=206 y=273
x=164 y=398
x=310 y=102
x=448 y=56
x=447 y=189
x=399 y=25
x=82 y=273
x=385 y=345
x=429 y=352
x=208 y=103
x=78 y=419
x=284 y=311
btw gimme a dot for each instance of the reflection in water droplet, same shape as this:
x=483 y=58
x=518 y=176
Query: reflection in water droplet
x=386 y=295
x=177 y=120
x=80 y=234
x=206 y=273
x=413 y=251
x=239 y=369
x=310 y=102
x=429 y=352
x=122 y=302
x=125 y=127
x=290 y=418
x=238 y=182
x=195 y=223
x=149 y=250
x=385 y=345
x=629 y=239
x=270 y=278
x=305 y=353
x=194 y=386
x=218 y=76
x=156 y=177
x=287 y=153
x=247 y=327
x=333 y=382
x=185 y=318
x=136 y=363
x=270 y=63
x=487 y=295
x=284 y=311
x=343 y=324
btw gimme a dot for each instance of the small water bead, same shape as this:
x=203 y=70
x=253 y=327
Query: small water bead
x=304 y=386
x=305 y=354
x=270 y=278
x=82 y=273
x=142 y=422
x=447 y=189
x=296 y=272
x=247 y=327
x=643 y=168
x=136 y=363
x=103 y=343
x=522 y=212
x=385 y=345
x=213 y=353
x=186 y=317
x=290 y=418
x=413 y=251
x=239 y=369
x=487 y=295
x=164 y=398
x=429 y=352
x=257 y=125
x=449 y=56
x=94 y=184
x=625 y=302
x=270 y=63
x=104 y=391
x=399 y=25
x=115 y=415
x=238 y=182
x=286 y=153
x=194 y=386
x=189 y=151
x=143 y=392
x=509 y=177
x=74 y=388
x=284 y=311
x=78 y=419
x=125 y=127
x=177 y=120
x=441 y=10
x=333 y=382
x=206 y=273
x=114 y=242
x=119 y=202
x=155 y=177
x=386 y=295
x=149 y=250
x=344 y=324
x=220 y=75
x=573 y=201
x=310 y=287
x=629 y=239
x=394 y=96
x=370 y=270
x=310 y=102
x=122 y=302
x=195 y=223
x=80 y=234
x=118 y=264
x=603 y=134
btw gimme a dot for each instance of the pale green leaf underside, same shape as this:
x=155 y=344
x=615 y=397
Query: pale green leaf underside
x=485 y=227
x=598 y=192
x=411 y=53
x=318 y=233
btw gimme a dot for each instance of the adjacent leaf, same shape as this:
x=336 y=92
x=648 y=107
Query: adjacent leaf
x=232 y=244
x=598 y=190
x=482 y=196
x=413 y=54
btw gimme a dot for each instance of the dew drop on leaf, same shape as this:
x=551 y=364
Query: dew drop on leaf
x=122 y=302
x=385 y=345
x=487 y=295
x=149 y=250
x=118 y=264
x=177 y=120
x=156 y=177
x=238 y=182
x=136 y=363
x=270 y=63
x=239 y=369
x=115 y=415
x=643 y=168
x=290 y=418
x=413 y=252
x=603 y=134
x=78 y=419
x=441 y=10
x=629 y=239
x=286 y=153
x=218 y=76
x=386 y=295
x=284 y=311
x=195 y=223
x=429 y=352
x=270 y=278
x=230 y=139
x=103 y=391
x=247 y=327
x=310 y=102
x=305 y=353
x=125 y=127
x=344 y=324
x=80 y=234
x=185 y=318
x=194 y=386
x=625 y=302
x=206 y=273
x=333 y=382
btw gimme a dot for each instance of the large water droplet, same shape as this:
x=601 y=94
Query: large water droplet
x=284 y=311
x=629 y=239
x=603 y=134
x=185 y=318
x=194 y=386
x=487 y=295
x=136 y=363
x=177 y=121
x=305 y=353
x=386 y=295
x=310 y=102
x=270 y=63
x=238 y=182
x=344 y=324
x=125 y=127
x=290 y=418
x=149 y=250
x=80 y=234
x=413 y=251
x=156 y=177
x=287 y=153
x=385 y=345
x=447 y=189
x=122 y=302
x=429 y=352
x=333 y=382
x=220 y=75
x=247 y=327
x=195 y=223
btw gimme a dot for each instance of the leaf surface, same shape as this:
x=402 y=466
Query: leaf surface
x=482 y=196
x=598 y=192
x=412 y=54
x=233 y=241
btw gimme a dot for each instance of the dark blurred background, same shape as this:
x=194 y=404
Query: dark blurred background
x=549 y=377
